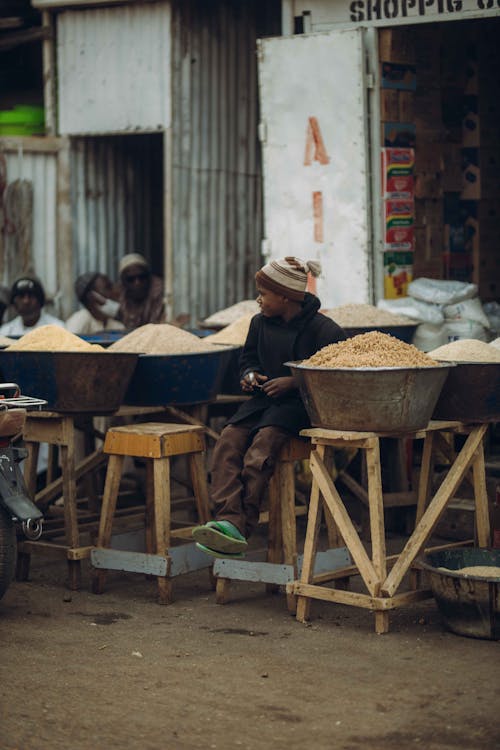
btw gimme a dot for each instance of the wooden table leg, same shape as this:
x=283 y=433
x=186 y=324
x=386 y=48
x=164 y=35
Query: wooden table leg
x=289 y=524
x=111 y=487
x=161 y=471
x=274 y=531
x=311 y=541
x=69 y=494
x=481 y=498
x=377 y=525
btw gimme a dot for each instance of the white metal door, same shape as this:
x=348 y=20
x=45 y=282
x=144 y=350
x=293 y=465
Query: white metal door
x=315 y=145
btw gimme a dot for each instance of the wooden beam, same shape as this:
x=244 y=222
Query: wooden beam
x=9 y=41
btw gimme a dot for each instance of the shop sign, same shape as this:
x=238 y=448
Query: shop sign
x=325 y=14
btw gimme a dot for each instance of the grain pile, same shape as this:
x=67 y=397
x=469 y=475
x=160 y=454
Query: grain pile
x=235 y=333
x=467 y=350
x=231 y=314
x=53 y=339
x=486 y=571
x=372 y=349
x=161 y=338
x=365 y=316
x=496 y=343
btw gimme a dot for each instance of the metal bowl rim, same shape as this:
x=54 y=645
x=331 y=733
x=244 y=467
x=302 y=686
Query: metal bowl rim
x=227 y=348
x=64 y=352
x=309 y=368
x=455 y=574
x=465 y=362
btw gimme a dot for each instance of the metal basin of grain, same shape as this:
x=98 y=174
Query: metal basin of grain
x=469 y=604
x=189 y=378
x=471 y=393
x=375 y=399
x=71 y=382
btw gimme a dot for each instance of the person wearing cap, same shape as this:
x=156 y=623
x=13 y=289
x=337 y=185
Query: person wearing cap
x=95 y=292
x=141 y=293
x=28 y=298
x=289 y=327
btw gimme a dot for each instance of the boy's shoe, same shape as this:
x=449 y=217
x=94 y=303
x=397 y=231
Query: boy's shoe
x=225 y=555
x=220 y=536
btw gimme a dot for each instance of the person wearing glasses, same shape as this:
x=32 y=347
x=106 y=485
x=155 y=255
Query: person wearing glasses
x=28 y=298
x=141 y=293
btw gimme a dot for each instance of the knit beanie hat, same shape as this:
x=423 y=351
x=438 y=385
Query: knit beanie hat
x=84 y=283
x=288 y=276
x=28 y=284
x=132 y=259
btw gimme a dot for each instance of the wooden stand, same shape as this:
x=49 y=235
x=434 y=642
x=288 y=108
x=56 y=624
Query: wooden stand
x=157 y=442
x=281 y=566
x=381 y=585
x=58 y=429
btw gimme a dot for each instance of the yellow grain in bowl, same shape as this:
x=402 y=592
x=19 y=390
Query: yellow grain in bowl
x=372 y=349
x=53 y=339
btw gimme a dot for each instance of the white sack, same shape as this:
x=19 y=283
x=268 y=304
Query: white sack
x=413 y=308
x=441 y=292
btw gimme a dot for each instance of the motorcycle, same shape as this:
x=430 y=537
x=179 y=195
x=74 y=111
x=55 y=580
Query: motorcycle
x=17 y=509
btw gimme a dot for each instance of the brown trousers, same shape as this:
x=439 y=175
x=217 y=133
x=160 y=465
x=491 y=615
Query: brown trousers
x=242 y=465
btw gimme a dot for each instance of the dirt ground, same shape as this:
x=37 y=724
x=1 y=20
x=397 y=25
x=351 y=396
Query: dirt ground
x=120 y=671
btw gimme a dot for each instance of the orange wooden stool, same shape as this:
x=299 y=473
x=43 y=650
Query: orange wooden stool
x=158 y=442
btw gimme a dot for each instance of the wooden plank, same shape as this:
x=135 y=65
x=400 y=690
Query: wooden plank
x=43 y=430
x=434 y=511
x=111 y=486
x=355 y=599
x=344 y=523
x=263 y=572
x=400 y=499
x=355 y=487
x=132 y=562
x=321 y=434
x=79 y=553
x=161 y=474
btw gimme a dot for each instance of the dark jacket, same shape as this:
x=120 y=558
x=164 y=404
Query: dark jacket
x=270 y=343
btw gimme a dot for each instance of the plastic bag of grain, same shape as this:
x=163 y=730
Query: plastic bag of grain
x=428 y=336
x=441 y=291
x=425 y=312
x=465 y=329
x=468 y=309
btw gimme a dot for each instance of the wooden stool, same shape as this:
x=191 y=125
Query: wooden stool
x=156 y=441
x=281 y=565
x=381 y=583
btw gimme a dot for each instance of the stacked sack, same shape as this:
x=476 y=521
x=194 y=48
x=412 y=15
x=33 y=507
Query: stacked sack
x=447 y=311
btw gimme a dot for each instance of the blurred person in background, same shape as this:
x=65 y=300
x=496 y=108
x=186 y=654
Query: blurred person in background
x=28 y=298
x=100 y=308
x=4 y=301
x=141 y=293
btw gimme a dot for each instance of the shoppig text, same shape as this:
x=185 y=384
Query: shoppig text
x=377 y=10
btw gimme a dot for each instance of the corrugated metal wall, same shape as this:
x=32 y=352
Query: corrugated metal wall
x=114 y=69
x=117 y=181
x=116 y=186
x=217 y=204
x=40 y=169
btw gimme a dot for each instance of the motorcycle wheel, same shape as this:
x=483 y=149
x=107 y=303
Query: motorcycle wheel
x=7 y=551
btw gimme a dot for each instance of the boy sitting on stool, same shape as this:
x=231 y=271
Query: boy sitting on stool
x=289 y=327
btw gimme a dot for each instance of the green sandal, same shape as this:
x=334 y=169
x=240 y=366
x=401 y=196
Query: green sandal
x=225 y=555
x=220 y=536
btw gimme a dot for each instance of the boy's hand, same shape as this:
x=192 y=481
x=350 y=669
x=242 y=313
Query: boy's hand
x=278 y=386
x=253 y=381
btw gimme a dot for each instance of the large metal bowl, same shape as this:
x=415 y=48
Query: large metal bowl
x=386 y=400
x=471 y=393
x=468 y=604
x=73 y=382
x=193 y=378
